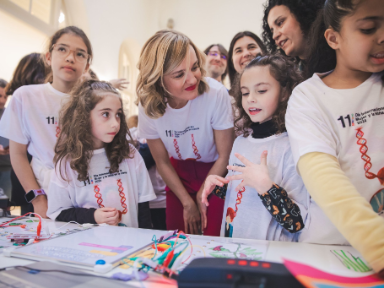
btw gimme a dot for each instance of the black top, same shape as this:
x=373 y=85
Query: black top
x=263 y=130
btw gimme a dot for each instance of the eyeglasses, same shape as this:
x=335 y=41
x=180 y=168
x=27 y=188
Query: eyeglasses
x=64 y=51
x=214 y=54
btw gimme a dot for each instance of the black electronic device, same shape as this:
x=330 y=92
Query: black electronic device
x=239 y=273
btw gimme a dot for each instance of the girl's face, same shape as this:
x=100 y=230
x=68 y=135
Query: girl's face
x=244 y=50
x=3 y=98
x=183 y=82
x=260 y=93
x=105 y=119
x=67 y=69
x=360 y=44
x=286 y=31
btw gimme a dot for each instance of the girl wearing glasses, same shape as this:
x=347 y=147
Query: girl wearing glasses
x=186 y=116
x=31 y=120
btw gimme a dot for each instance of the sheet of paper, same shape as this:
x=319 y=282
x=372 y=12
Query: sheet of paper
x=348 y=261
x=314 y=278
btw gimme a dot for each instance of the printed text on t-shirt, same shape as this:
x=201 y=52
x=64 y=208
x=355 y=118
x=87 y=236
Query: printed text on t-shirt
x=177 y=134
x=97 y=178
x=360 y=118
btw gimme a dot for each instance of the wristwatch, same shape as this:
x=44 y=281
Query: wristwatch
x=32 y=194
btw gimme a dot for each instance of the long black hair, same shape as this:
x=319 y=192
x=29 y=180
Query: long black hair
x=322 y=58
x=305 y=12
x=231 y=68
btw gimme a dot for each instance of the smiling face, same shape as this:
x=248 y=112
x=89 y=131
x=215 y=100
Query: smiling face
x=260 y=93
x=286 y=31
x=183 y=81
x=105 y=119
x=66 y=70
x=360 y=43
x=244 y=50
x=216 y=65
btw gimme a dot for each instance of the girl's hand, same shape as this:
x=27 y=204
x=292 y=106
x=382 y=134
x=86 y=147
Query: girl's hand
x=120 y=84
x=209 y=184
x=4 y=151
x=203 y=210
x=191 y=216
x=253 y=175
x=40 y=205
x=107 y=215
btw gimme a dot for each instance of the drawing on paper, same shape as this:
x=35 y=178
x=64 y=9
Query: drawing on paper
x=351 y=261
x=241 y=252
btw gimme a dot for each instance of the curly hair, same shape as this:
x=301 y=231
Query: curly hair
x=30 y=70
x=232 y=73
x=161 y=54
x=286 y=72
x=75 y=142
x=305 y=12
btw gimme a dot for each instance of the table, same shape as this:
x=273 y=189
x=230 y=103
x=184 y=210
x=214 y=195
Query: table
x=311 y=254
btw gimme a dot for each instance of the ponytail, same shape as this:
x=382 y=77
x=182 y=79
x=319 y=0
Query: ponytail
x=322 y=58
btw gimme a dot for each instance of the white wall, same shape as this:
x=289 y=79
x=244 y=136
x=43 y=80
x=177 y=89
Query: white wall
x=212 y=21
x=17 y=40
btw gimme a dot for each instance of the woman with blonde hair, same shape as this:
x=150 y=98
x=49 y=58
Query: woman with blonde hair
x=187 y=117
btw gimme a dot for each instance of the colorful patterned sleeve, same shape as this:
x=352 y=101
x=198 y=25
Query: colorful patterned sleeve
x=283 y=209
x=220 y=191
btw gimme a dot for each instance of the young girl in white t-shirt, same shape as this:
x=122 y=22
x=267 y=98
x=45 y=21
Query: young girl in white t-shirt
x=263 y=200
x=30 y=121
x=335 y=122
x=99 y=177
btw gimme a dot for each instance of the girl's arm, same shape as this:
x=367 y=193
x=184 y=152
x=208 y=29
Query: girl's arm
x=275 y=199
x=224 y=141
x=345 y=207
x=25 y=175
x=170 y=177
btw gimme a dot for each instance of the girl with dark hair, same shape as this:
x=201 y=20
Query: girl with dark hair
x=30 y=70
x=99 y=177
x=265 y=86
x=287 y=23
x=31 y=120
x=335 y=123
x=243 y=48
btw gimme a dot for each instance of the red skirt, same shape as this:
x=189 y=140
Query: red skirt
x=192 y=174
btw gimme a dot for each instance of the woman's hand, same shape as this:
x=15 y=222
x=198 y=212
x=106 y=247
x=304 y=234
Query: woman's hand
x=253 y=175
x=120 y=84
x=209 y=184
x=191 y=216
x=4 y=151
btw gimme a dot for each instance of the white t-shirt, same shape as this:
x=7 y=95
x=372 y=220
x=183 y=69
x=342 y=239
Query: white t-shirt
x=102 y=187
x=187 y=133
x=32 y=118
x=252 y=219
x=345 y=123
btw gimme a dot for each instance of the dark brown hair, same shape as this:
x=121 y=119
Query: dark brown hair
x=69 y=30
x=231 y=68
x=30 y=70
x=322 y=58
x=286 y=72
x=3 y=83
x=75 y=142
x=304 y=11
x=222 y=51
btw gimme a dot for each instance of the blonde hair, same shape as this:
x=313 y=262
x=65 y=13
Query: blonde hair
x=133 y=121
x=161 y=54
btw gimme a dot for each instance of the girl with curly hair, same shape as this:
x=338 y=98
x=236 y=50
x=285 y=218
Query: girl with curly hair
x=187 y=116
x=275 y=196
x=31 y=120
x=99 y=177
x=335 y=122
x=287 y=24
